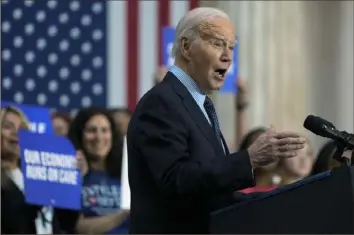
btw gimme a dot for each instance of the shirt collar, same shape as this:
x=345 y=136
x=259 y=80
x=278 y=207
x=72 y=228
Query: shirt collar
x=193 y=88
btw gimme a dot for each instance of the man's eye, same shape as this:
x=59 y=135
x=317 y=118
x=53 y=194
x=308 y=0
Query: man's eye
x=218 y=44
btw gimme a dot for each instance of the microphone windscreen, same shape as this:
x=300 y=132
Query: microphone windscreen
x=315 y=125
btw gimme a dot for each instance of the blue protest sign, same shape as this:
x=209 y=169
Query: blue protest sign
x=168 y=34
x=38 y=116
x=232 y=74
x=50 y=172
x=229 y=86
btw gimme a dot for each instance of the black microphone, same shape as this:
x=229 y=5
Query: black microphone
x=326 y=129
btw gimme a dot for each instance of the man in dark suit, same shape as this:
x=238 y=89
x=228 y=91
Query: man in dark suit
x=180 y=168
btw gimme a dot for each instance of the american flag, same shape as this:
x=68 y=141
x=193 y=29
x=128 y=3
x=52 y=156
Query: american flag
x=72 y=54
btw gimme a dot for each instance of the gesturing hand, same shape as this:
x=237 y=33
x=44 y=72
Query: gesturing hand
x=271 y=146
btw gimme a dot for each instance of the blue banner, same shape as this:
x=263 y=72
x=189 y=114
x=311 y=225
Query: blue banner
x=229 y=86
x=38 y=116
x=50 y=172
x=168 y=34
x=232 y=74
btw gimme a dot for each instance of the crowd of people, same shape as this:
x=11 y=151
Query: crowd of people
x=97 y=134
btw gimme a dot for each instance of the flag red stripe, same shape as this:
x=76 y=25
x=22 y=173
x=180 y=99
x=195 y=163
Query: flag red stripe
x=193 y=4
x=163 y=21
x=132 y=52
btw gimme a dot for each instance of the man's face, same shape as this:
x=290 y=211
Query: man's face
x=210 y=55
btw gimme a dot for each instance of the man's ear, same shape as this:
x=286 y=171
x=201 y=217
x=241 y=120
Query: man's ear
x=185 y=48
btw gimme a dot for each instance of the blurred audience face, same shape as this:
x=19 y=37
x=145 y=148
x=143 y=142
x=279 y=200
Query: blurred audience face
x=121 y=118
x=10 y=125
x=348 y=154
x=61 y=126
x=210 y=55
x=332 y=163
x=301 y=165
x=97 y=136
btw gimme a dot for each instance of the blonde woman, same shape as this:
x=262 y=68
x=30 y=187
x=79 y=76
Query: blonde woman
x=18 y=217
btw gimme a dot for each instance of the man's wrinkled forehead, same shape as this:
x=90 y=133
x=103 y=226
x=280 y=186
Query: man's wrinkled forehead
x=218 y=30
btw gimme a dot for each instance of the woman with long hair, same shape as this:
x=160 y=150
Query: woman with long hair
x=17 y=216
x=93 y=132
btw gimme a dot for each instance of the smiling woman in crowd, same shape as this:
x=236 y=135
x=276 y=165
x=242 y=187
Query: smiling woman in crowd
x=93 y=132
x=18 y=217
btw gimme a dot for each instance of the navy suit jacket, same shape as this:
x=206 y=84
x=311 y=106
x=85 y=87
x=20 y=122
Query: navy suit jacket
x=178 y=171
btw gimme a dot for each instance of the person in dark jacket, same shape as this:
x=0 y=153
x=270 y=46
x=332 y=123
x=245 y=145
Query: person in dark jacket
x=179 y=165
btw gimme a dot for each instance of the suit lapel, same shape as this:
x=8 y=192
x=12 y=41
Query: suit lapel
x=227 y=151
x=195 y=112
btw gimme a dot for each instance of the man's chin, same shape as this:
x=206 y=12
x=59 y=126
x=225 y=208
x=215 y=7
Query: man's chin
x=214 y=86
x=218 y=86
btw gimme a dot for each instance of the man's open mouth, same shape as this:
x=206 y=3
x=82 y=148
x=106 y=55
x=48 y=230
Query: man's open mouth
x=221 y=72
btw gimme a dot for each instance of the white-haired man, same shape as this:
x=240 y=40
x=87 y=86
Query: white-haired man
x=180 y=168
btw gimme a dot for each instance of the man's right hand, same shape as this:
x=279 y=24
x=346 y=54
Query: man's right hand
x=271 y=146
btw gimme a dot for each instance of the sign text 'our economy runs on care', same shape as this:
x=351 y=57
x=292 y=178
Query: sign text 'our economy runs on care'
x=51 y=167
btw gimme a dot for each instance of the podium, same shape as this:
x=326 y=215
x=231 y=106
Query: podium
x=321 y=204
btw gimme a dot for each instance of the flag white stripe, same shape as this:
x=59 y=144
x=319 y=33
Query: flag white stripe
x=147 y=45
x=178 y=8
x=116 y=47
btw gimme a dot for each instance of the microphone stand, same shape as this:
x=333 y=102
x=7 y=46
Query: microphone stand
x=338 y=155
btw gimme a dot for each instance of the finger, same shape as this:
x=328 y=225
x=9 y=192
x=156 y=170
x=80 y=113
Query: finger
x=288 y=154
x=291 y=147
x=271 y=131
x=291 y=140
x=286 y=134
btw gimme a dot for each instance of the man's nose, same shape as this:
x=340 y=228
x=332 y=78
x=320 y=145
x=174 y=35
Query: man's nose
x=227 y=55
x=226 y=60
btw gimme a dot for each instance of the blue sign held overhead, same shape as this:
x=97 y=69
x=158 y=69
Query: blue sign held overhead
x=38 y=116
x=232 y=74
x=229 y=86
x=168 y=34
x=50 y=172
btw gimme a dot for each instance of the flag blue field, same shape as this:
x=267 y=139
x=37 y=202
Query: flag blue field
x=54 y=53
